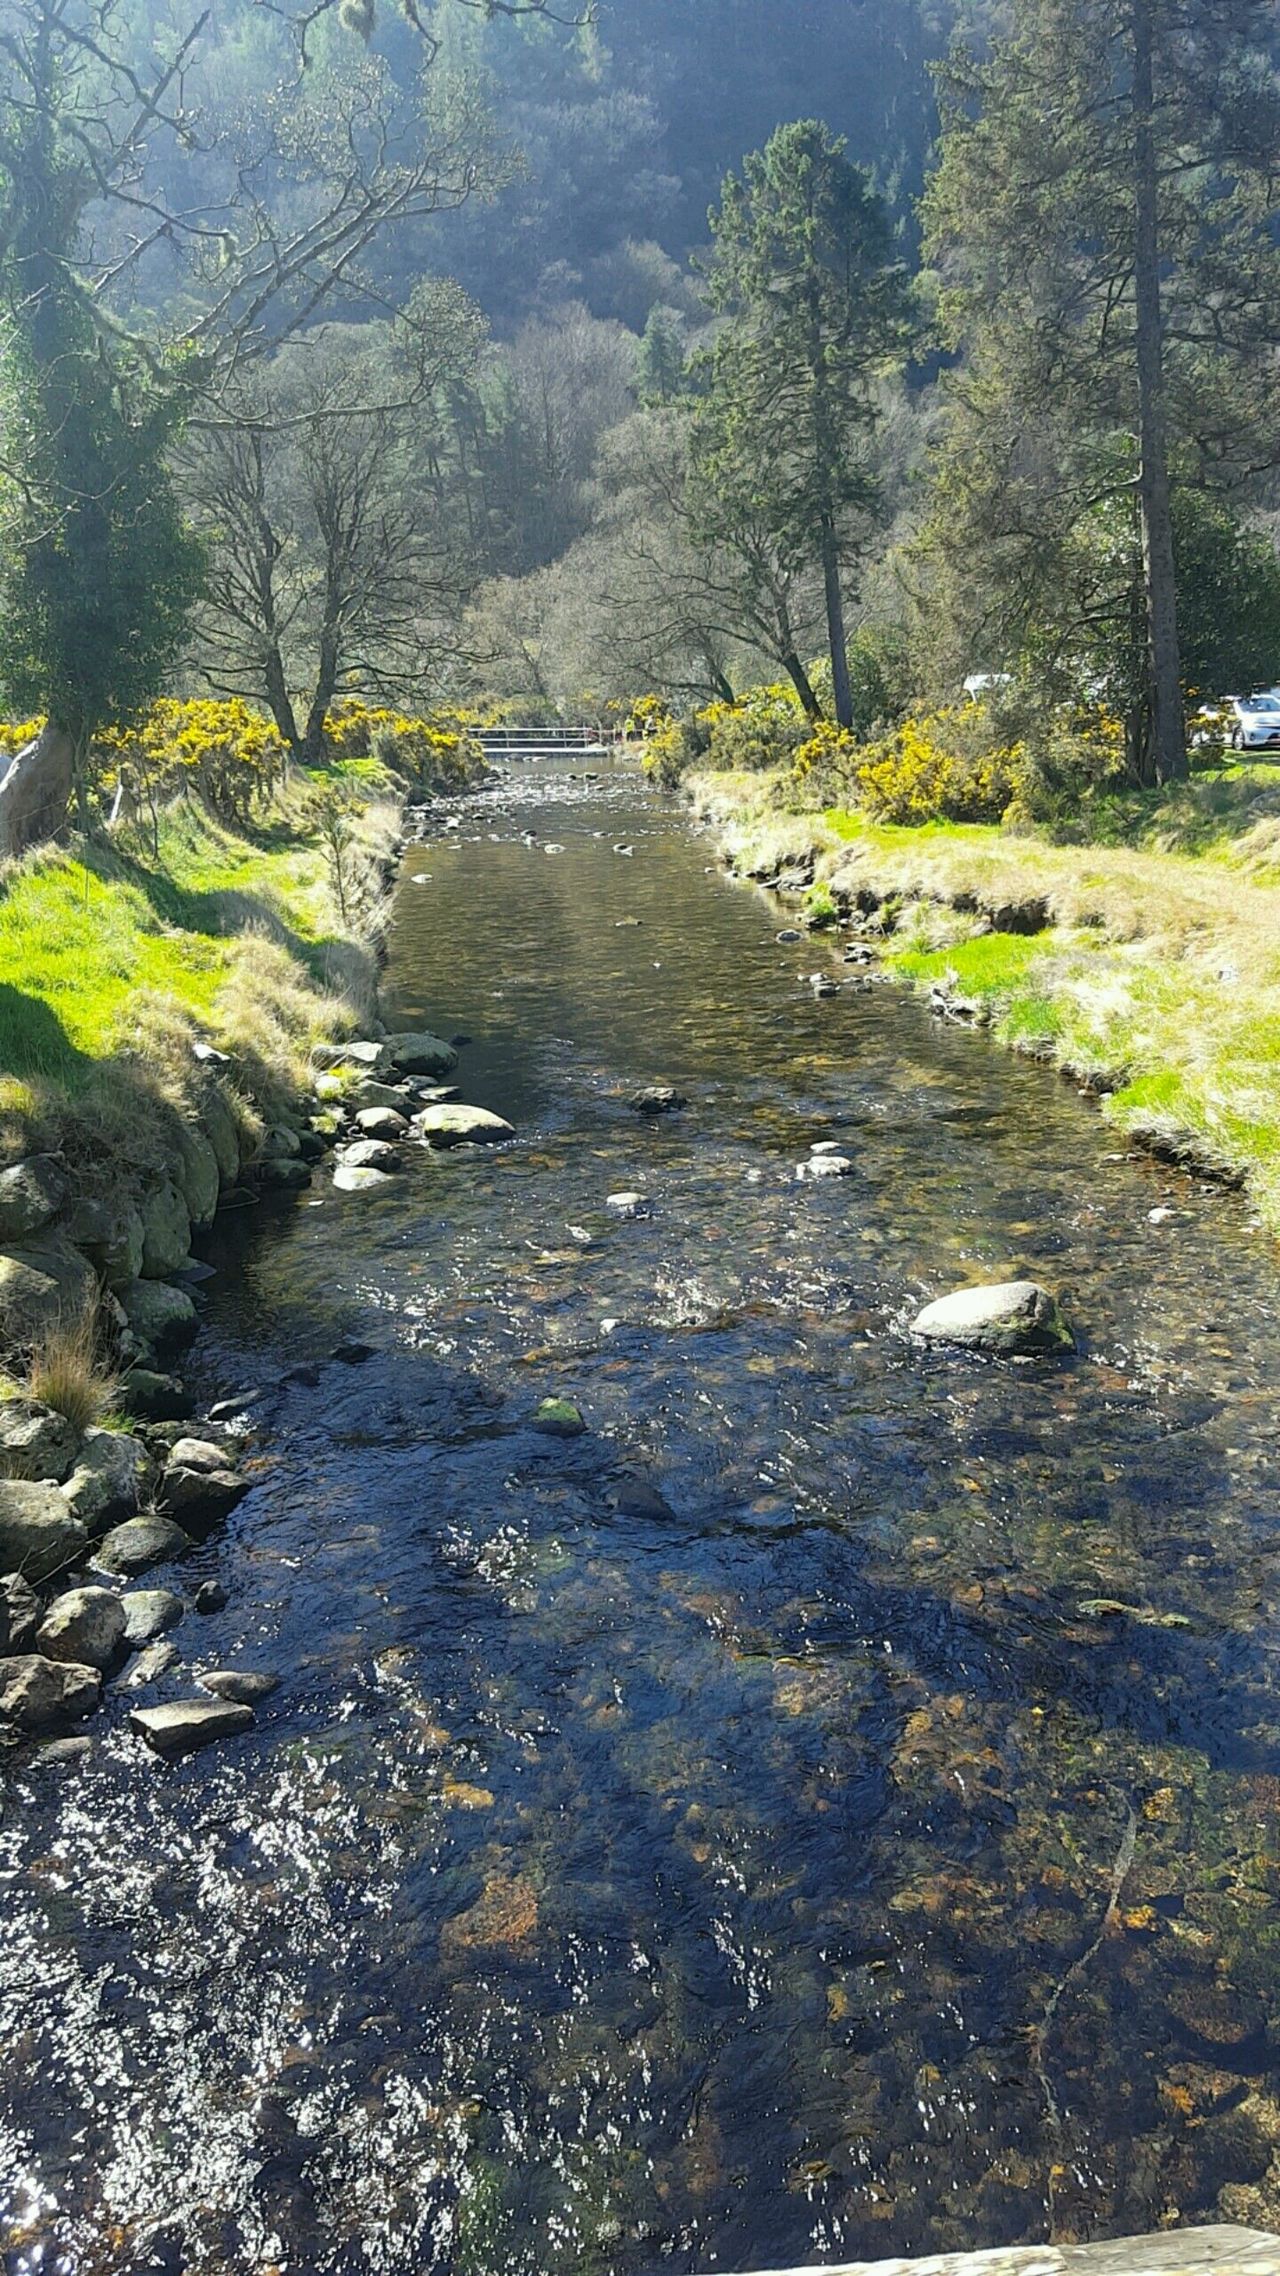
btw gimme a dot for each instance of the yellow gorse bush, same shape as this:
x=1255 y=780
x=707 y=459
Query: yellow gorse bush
x=937 y=768
x=16 y=734
x=439 y=753
x=230 y=755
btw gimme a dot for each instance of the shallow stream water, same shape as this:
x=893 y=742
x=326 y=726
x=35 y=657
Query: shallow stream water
x=738 y=1837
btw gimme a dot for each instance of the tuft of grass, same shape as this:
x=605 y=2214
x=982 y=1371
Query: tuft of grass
x=66 y=1371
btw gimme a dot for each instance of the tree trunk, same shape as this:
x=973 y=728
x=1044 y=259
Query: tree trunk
x=322 y=699
x=842 y=692
x=279 y=700
x=35 y=791
x=1168 y=724
x=802 y=684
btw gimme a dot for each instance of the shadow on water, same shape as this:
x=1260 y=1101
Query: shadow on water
x=826 y=1810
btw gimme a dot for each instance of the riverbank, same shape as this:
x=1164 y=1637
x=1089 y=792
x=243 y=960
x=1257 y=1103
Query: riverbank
x=1149 y=972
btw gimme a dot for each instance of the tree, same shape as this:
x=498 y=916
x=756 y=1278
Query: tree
x=1102 y=217
x=662 y=357
x=327 y=488
x=816 y=310
x=96 y=121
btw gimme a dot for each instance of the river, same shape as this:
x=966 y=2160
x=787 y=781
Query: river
x=692 y=1845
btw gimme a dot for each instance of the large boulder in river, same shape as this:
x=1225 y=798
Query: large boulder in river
x=39 y=1534
x=199 y=1498
x=31 y=1194
x=112 y=1478
x=462 y=1126
x=1015 y=1317
x=370 y=1154
x=39 y=1694
x=35 y=1441
x=421 y=1055
x=86 y=1625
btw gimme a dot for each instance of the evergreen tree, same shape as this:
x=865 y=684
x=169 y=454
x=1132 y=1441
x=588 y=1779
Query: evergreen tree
x=816 y=310
x=1102 y=217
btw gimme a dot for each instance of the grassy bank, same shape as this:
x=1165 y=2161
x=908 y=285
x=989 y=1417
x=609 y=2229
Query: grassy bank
x=118 y=955
x=1147 y=966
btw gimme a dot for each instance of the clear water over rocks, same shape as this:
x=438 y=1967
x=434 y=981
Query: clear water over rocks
x=827 y=1807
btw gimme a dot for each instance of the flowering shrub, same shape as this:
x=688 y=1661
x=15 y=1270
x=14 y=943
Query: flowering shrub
x=765 y=728
x=940 y=767
x=649 y=715
x=436 y=754
x=16 y=734
x=231 y=756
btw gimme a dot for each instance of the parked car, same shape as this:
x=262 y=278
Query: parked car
x=1253 y=721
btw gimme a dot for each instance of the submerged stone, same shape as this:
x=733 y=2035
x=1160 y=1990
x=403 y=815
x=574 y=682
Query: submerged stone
x=245 y=1686
x=1015 y=1316
x=463 y=1126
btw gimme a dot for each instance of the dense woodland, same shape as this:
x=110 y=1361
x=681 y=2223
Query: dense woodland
x=760 y=369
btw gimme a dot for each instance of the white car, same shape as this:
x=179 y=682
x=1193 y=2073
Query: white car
x=1253 y=721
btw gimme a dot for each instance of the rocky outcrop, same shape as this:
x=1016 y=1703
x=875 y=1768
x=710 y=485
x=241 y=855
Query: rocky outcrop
x=42 y=1283
x=162 y=1317
x=166 y=1231
x=35 y=791
x=1016 y=1317
x=39 y=1533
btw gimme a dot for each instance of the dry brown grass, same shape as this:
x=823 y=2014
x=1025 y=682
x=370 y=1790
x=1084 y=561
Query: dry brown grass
x=66 y=1370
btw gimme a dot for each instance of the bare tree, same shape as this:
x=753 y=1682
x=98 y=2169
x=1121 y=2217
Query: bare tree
x=326 y=490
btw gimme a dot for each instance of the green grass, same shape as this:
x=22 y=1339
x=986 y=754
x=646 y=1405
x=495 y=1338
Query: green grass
x=80 y=943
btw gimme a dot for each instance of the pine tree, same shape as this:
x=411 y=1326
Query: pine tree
x=1101 y=218
x=816 y=310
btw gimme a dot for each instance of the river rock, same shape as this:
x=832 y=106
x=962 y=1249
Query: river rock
x=397 y=1096
x=280 y=1144
x=148 y=1613
x=559 y=1418
x=155 y=1398
x=188 y=1453
x=44 y=1282
x=199 y=1174
x=187 y=1724
x=31 y=1194
x=211 y=1596
x=283 y=1175
x=822 y=1165
x=163 y=1318
x=371 y=1154
x=111 y=1236
x=1016 y=1316
x=39 y=1694
x=348 y=1178
x=627 y=1205
x=371 y=1059
x=39 y=1534
x=243 y=1685
x=421 y=1055
x=86 y=1625
x=35 y=1441
x=199 y=1499
x=166 y=1231
x=140 y=1543
x=152 y=1663
x=220 y=1124
x=463 y=1126
x=112 y=1478
x=382 y=1122
x=659 y=1098
x=19 y=1614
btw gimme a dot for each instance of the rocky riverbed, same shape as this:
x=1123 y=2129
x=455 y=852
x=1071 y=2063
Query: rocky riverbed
x=747 y=1784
